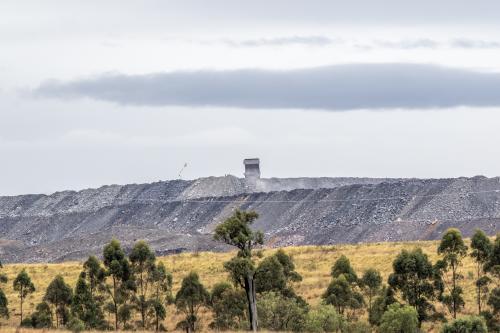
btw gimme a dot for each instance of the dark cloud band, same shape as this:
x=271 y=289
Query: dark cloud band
x=335 y=88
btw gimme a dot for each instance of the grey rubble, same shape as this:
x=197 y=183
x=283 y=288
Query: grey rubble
x=179 y=215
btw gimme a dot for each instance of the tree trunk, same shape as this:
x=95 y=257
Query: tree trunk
x=114 y=303
x=252 y=302
x=479 y=290
x=21 y=306
x=57 y=318
x=143 y=311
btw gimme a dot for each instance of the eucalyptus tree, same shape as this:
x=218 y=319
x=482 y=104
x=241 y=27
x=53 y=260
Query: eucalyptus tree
x=414 y=277
x=161 y=285
x=481 y=252
x=84 y=306
x=119 y=282
x=4 y=303
x=190 y=298
x=370 y=283
x=142 y=261
x=59 y=295
x=236 y=231
x=277 y=273
x=453 y=250
x=94 y=275
x=23 y=285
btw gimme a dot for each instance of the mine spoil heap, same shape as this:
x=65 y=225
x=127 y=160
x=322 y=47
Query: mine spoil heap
x=179 y=215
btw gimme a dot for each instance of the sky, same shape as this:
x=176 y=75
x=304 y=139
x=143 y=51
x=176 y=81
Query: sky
x=115 y=92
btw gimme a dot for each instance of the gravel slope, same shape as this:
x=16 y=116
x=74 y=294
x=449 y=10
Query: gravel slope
x=179 y=215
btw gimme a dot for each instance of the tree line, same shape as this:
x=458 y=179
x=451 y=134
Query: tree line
x=129 y=292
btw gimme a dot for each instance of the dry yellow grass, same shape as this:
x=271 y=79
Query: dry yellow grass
x=312 y=262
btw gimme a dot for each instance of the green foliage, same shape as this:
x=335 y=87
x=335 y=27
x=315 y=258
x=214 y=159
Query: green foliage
x=239 y=269
x=466 y=325
x=4 y=305
x=380 y=305
x=453 y=250
x=190 y=298
x=493 y=317
x=23 y=285
x=343 y=267
x=161 y=281
x=341 y=295
x=120 y=280
x=277 y=273
x=41 y=318
x=278 y=313
x=236 y=231
x=85 y=307
x=481 y=252
x=324 y=318
x=399 y=319
x=370 y=282
x=95 y=275
x=481 y=247
x=493 y=264
x=228 y=306
x=142 y=260
x=75 y=325
x=356 y=327
x=59 y=294
x=414 y=277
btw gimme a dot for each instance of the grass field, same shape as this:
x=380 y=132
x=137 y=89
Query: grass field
x=312 y=262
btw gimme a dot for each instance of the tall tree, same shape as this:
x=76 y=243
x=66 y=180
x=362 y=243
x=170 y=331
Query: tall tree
x=236 y=231
x=59 y=294
x=142 y=260
x=371 y=282
x=121 y=281
x=338 y=294
x=343 y=266
x=380 y=305
x=23 y=285
x=161 y=281
x=493 y=264
x=190 y=298
x=277 y=273
x=414 y=277
x=453 y=249
x=493 y=267
x=481 y=252
x=84 y=306
x=95 y=275
x=4 y=303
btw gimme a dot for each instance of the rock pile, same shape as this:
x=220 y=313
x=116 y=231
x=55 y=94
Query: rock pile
x=179 y=215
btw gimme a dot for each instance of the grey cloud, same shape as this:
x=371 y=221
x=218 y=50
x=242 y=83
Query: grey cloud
x=408 y=44
x=340 y=87
x=282 y=41
x=475 y=44
x=402 y=44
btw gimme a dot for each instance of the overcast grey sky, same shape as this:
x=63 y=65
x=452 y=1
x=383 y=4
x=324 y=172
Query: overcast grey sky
x=101 y=92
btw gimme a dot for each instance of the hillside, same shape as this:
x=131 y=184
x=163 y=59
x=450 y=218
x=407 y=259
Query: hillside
x=176 y=216
x=312 y=262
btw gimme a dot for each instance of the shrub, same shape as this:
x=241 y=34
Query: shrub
x=280 y=313
x=323 y=319
x=356 y=327
x=471 y=324
x=399 y=319
x=76 y=325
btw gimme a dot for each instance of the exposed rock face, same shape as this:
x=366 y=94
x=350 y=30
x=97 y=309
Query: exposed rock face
x=180 y=215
